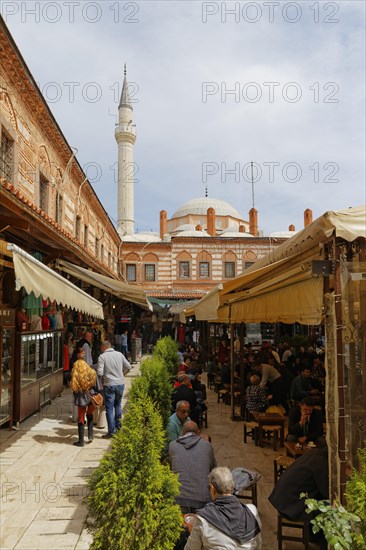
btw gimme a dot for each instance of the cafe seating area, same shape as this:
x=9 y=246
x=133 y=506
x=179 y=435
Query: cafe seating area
x=239 y=444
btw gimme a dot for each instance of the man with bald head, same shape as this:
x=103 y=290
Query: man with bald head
x=177 y=420
x=192 y=458
x=184 y=392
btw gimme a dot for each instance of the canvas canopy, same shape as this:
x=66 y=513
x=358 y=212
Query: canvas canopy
x=281 y=286
x=36 y=277
x=115 y=287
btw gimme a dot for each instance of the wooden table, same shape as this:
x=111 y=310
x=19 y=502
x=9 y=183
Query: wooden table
x=293 y=450
x=273 y=419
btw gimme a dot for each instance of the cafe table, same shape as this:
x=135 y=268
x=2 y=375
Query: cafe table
x=296 y=449
x=269 y=419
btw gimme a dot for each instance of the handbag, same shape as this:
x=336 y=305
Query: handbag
x=96 y=399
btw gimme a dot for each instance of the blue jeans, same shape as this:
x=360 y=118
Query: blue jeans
x=113 y=399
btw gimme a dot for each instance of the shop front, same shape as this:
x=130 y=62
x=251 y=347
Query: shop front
x=37 y=308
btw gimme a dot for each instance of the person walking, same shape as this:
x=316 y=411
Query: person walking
x=124 y=343
x=112 y=366
x=83 y=379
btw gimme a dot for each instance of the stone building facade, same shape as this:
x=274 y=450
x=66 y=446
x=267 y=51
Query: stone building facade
x=44 y=191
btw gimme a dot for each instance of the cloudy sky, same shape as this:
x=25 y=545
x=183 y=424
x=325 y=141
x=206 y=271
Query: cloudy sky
x=215 y=86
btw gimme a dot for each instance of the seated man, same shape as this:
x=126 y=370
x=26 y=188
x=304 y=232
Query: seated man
x=308 y=474
x=305 y=423
x=192 y=458
x=184 y=392
x=301 y=385
x=256 y=399
x=225 y=522
x=177 y=420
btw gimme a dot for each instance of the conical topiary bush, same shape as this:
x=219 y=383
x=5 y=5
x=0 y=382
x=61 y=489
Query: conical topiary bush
x=131 y=502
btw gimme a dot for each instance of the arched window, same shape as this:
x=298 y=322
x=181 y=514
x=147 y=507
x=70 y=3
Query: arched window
x=229 y=265
x=184 y=265
x=204 y=265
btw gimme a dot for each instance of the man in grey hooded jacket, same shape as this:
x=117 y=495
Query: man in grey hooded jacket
x=192 y=458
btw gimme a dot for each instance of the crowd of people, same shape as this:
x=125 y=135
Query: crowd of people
x=291 y=379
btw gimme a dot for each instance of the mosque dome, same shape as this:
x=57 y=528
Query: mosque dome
x=186 y=227
x=201 y=205
x=143 y=237
x=283 y=234
x=193 y=233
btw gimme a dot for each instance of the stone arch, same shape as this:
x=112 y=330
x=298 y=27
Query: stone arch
x=230 y=256
x=85 y=213
x=44 y=161
x=204 y=256
x=250 y=256
x=184 y=256
x=150 y=257
x=132 y=257
x=7 y=105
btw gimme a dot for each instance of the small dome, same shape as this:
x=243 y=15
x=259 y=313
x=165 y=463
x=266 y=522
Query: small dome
x=148 y=237
x=185 y=227
x=192 y=234
x=235 y=234
x=283 y=234
x=201 y=205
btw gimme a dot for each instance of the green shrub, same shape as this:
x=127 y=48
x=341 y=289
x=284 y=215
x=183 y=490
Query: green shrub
x=356 y=500
x=154 y=381
x=334 y=520
x=131 y=500
x=167 y=350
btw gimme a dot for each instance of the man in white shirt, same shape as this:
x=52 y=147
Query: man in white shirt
x=112 y=366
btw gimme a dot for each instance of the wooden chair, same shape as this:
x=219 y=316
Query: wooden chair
x=203 y=419
x=223 y=396
x=252 y=496
x=251 y=428
x=283 y=523
x=280 y=464
x=270 y=434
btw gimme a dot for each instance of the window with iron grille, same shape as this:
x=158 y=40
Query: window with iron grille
x=247 y=264
x=204 y=270
x=6 y=157
x=77 y=227
x=149 y=272
x=102 y=253
x=59 y=208
x=43 y=193
x=184 y=270
x=96 y=247
x=109 y=260
x=229 y=270
x=131 y=272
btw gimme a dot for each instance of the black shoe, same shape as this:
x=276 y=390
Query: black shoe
x=80 y=443
x=90 y=428
x=107 y=436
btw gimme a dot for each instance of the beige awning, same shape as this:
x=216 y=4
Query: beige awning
x=206 y=308
x=36 y=277
x=281 y=286
x=117 y=288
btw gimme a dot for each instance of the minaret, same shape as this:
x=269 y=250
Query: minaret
x=125 y=134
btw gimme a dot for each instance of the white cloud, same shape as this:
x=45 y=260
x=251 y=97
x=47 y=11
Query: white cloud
x=170 y=53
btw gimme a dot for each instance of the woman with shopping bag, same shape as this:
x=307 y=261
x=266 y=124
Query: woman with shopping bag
x=83 y=380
